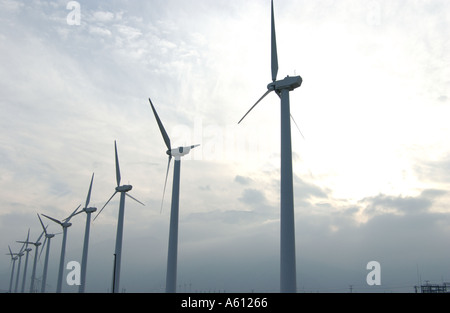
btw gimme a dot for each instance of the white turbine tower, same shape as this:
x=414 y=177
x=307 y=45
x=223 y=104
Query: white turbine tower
x=19 y=255
x=288 y=281
x=27 y=251
x=171 y=275
x=88 y=210
x=119 y=235
x=13 y=260
x=37 y=243
x=64 y=224
x=47 y=240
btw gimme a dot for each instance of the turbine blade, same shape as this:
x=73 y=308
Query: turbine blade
x=267 y=92
x=42 y=248
x=88 y=198
x=21 y=249
x=117 y=165
x=72 y=215
x=40 y=236
x=134 y=199
x=297 y=126
x=165 y=183
x=10 y=252
x=274 y=49
x=195 y=146
x=105 y=205
x=53 y=219
x=161 y=127
x=43 y=227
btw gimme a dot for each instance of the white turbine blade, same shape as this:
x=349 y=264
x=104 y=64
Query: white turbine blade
x=165 y=183
x=274 y=49
x=88 y=198
x=79 y=212
x=105 y=205
x=42 y=248
x=39 y=238
x=267 y=92
x=10 y=252
x=161 y=127
x=43 y=227
x=53 y=219
x=134 y=199
x=297 y=126
x=117 y=165
x=195 y=146
x=21 y=249
x=72 y=215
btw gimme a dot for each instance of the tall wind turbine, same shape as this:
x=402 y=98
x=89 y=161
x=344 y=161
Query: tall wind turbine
x=27 y=251
x=20 y=255
x=13 y=260
x=64 y=224
x=88 y=210
x=37 y=243
x=288 y=282
x=47 y=240
x=171 y=275
x=119 y=235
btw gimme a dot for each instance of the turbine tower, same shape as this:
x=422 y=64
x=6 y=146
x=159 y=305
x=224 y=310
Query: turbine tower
x=19 y=255
x=37 y=243
x=119 y=235
x=27 y=251
x=64 y=224
x=13 y=260
x=171 y=275
x=48 y=238
x=282 y=88
x=88 y=210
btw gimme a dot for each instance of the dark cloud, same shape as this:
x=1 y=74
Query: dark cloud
x=399 y=204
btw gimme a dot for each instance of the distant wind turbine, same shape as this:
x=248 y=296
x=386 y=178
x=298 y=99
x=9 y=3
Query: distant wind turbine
x=19 y=255
x=119 y=235
x=288 y=281
x=64 y=224
x=171 y=275
x=47 y=240
x=88 y=210
x=27 y=251
x=13 y=260
x=37 y=243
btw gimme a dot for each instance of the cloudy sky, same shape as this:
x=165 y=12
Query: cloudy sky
x=371 y=171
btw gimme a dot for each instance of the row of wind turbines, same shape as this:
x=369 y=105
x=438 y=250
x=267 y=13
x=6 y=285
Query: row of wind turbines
x=288 y=275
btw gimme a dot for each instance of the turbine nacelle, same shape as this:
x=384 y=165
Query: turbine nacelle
x=180 y=151
x=289 y=83
x=66 y=225
x=124 y=188
x=90 y=210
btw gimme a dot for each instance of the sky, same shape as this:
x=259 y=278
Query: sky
x=371 y=164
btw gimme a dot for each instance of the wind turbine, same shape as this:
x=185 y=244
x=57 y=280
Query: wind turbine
x=88 y=210
x=119 y=235
x=37 y=243
x=171 y=275
x=27 y=250
x=48 y=238
x=288 y=282
x=20 y=255
x=64 y=224
x=13 y=260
